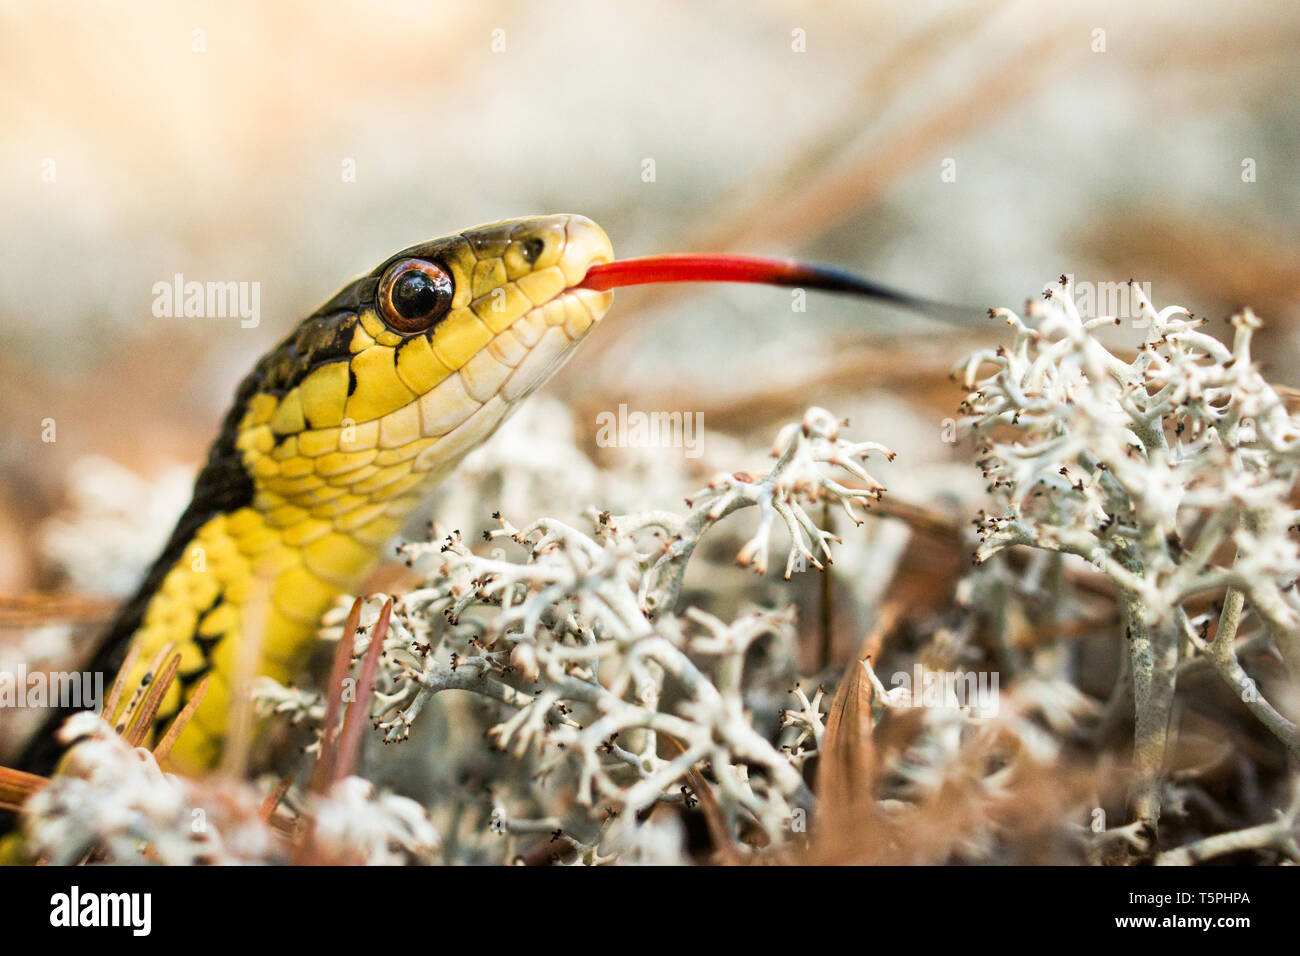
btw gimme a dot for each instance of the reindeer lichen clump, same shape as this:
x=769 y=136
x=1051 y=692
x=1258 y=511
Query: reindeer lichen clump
x=597 y=679
x=111 y=803
x=1172 y=472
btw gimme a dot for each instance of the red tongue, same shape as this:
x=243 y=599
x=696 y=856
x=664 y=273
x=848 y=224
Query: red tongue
x=703 y=267
x=691 y=267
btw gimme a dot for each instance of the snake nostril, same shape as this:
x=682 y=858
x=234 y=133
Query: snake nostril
x=532 y=248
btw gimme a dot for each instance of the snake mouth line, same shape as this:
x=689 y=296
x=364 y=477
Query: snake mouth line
x=563 y=323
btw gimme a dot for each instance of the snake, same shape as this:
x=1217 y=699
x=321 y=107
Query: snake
x=342 y=430
x=334 y=438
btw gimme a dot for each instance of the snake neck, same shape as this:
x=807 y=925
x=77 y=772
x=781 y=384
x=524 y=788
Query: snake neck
x=242 y=593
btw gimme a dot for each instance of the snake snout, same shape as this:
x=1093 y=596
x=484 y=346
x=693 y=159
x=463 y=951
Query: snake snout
x=562 y=315
x=585 y=245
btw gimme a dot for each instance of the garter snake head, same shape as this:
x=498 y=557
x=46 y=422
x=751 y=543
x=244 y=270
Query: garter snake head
x=470 y=324
x=337 y=435
x=390 y=383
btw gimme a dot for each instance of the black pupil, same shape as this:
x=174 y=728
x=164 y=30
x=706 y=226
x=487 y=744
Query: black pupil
x=415 y=294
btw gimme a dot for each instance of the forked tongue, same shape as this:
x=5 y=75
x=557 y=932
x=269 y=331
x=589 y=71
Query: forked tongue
x=703 y=267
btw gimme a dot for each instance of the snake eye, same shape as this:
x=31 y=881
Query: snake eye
x=414 y=294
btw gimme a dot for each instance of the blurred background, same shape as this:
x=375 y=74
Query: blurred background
x=967 y=151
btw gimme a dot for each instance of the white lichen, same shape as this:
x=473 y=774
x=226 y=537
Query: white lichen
x=597 y=681
x=111 y=803
x=1170 y=471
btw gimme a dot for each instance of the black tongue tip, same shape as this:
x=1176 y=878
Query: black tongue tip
x=842 y=282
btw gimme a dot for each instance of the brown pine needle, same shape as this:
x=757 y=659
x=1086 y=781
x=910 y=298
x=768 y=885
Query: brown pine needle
x=165 y=745
x=35 y=608
x=339 y=750
x=16 y=786
x=267 y=810
x=324 y=771
x=119 y=682
x=359 y=710
x=847 y=764
x=141 y=692
x=143 y=720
